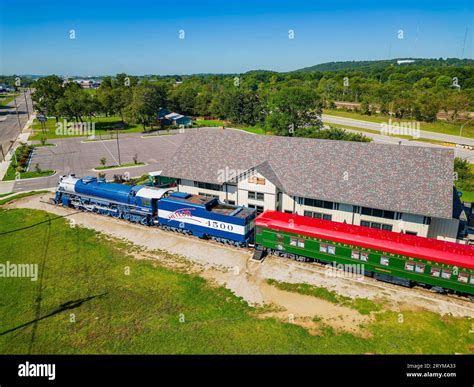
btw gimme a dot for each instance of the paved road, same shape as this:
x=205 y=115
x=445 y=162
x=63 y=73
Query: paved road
x=9 y=127
x=382 y=139
x=377 y=127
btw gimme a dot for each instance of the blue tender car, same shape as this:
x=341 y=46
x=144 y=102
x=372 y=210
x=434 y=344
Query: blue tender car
x=207 y=217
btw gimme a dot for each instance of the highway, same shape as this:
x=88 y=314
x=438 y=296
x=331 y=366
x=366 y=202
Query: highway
x=377 y=126
x=9 y=126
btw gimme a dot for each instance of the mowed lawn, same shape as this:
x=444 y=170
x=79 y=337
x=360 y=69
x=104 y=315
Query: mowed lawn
x=92 y=306
x=104 y=126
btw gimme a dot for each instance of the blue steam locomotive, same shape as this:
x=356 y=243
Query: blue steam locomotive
x=197 y=215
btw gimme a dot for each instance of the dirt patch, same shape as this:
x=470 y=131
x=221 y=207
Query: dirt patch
x=314 y=313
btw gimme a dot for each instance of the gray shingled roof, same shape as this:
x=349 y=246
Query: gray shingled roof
x=417 y=180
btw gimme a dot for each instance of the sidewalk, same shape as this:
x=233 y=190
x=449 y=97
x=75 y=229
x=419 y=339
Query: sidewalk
x=23 y=137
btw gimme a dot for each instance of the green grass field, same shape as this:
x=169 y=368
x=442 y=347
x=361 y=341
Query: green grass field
x=438 y=127
x=104 y=126
x=19 y=196
x=93 y=297
x=7 y=98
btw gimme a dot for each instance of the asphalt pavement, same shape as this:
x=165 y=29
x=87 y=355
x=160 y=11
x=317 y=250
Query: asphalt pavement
x=11 y=124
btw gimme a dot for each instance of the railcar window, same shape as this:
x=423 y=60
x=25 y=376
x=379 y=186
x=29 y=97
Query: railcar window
x=258 y=231
x=355 y=254
x=463 y=277
x=279 y=238
x=301 y=243
x=384 y=261
x=435 y=272
x=293 y=242
x=364 y=256
x=446 y=274
x=409 y=265
x=420 y=268
x=332 y=249
x=471 y=281
x=323 y=248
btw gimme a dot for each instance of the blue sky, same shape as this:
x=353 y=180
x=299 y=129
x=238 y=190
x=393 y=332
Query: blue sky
x=142 y=37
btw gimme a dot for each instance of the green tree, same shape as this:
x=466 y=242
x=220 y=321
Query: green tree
x=294 y=111
x=48 y=91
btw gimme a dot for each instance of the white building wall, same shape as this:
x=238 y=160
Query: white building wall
x=445 y=229
x=268 y=189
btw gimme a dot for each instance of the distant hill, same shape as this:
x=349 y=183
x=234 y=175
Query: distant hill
x=372 y=64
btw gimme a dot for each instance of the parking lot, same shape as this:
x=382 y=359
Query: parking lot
x=81 y=156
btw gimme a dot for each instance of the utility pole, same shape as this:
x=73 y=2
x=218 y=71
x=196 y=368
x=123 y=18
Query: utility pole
x=26 y=103
x=17 y=115
x=118 y=148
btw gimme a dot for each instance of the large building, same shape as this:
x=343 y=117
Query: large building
x=399 y=188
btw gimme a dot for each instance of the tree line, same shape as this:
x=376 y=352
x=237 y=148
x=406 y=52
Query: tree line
x=285 y=103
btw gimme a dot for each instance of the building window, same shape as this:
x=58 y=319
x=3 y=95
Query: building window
x=231 y=202
x=419 y=268
x=377 y=213
x=332 y=249
x=317 y=215
x=356 y=209
x=463 y=277
x=377 y=225
x=384 y=261
x=446 y=274
x=212 y=187
x=288 y=212
x=435 y=272
x=409 y=265
x=318 y=203
x=364 y=256
x=355 y=254
x=323 y=248
x=411 y=232
x=255 y=195
x=426 y=220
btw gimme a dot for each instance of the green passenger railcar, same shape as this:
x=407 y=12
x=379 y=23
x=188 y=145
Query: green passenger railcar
x=348 y=246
